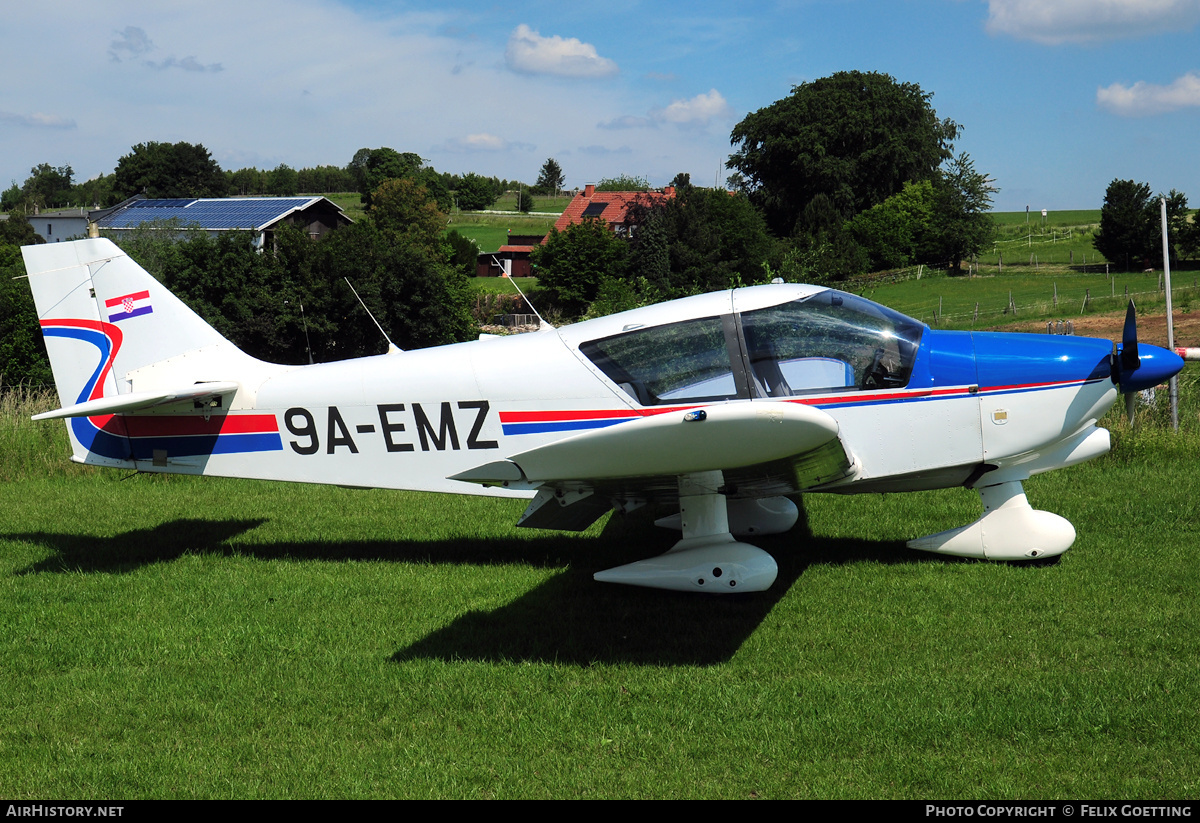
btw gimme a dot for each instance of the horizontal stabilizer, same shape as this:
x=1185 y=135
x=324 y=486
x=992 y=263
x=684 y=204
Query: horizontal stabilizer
x=126 y=403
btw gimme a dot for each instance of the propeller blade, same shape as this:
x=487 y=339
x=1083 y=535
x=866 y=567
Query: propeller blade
x=1129 y=345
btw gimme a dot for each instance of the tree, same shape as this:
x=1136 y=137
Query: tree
x=1128 y=234
x=22 y=350
x=403 y=206
x=551 y=178
x=461 y=251
x=168 y=170
x=18 y=231
x=896 y=232
x=962 y=224
x=623 y=182
x=284 y=181
x=371 y=167
x=475 y=192
x=11 y=197
x=855 y=137
x=48 y=186
x=571 y=263
x=1179 y=228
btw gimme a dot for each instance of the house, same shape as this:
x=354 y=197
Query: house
x=511 y=260
x=260 y=215
x=58 y=225
x=610 y=206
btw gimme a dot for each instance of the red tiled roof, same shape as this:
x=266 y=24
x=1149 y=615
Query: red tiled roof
x=615 y=205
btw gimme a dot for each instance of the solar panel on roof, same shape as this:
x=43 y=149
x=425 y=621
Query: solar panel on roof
x=249 y=213
x=594 y=209
x=164 y=203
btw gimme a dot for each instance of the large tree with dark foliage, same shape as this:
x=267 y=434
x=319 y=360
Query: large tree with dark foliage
x=168 y=170
x=1128 y=233
x=48 y=186
x=370 y=168
x=572 y=263
x=854 y=137
x=22 y=352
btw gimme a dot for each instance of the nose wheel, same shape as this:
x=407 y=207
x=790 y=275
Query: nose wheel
x=1009 y=529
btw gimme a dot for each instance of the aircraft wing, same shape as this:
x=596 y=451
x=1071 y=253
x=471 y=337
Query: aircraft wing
x=136 y=401
x=763 y=448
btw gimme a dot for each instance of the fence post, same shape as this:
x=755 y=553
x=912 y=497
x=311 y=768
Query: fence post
x=1056 y=295
x=976 y=317
x=1087 y=295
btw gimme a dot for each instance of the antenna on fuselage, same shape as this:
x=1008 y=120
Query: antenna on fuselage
x=542 y=324
x=392 y=347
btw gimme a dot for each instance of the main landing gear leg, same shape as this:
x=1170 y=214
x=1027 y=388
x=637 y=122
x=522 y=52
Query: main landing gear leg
x=1010 y=529
x=707 y=559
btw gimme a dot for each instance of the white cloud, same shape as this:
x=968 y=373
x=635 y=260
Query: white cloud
x=133 y=41
x=698 y=111
x=1143 y=99
x=530 y=53
x=37 y=120
x=695 y=112
x=1052 y=22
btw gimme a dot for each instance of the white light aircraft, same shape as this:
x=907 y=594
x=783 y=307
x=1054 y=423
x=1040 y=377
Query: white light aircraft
x=724 y=403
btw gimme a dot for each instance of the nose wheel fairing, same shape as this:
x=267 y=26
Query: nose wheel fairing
x=1009 y=529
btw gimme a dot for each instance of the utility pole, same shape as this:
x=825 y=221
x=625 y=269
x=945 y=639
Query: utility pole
x=1174 y=383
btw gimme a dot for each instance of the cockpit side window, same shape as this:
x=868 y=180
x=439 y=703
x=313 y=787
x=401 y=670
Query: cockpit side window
x=828 y=342
x=676 y=363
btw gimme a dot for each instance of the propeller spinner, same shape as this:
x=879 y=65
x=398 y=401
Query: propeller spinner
x=1137 y=367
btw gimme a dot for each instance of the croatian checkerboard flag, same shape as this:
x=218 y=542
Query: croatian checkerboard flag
x=127 y=306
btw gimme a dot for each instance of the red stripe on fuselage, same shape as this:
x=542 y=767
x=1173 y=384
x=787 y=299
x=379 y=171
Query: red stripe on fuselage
x=164 y=426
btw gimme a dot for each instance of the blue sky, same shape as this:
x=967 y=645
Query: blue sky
x=1056 y=97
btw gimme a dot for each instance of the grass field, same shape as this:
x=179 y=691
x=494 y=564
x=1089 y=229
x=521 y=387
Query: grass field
x=195 y=637
x=173 y=637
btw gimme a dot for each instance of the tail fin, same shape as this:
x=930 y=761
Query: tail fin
x=118 y=341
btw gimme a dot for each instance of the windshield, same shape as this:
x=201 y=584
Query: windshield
x=831 y=340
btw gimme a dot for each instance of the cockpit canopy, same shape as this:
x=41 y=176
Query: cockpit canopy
x=829 y=341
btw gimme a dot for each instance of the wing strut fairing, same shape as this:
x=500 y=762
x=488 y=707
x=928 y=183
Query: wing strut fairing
x=708 y=558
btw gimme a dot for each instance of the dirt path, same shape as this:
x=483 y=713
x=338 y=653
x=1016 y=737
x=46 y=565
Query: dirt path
x=1151 y=329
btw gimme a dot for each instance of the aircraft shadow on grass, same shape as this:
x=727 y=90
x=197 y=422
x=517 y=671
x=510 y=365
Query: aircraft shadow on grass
x=569 y=618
